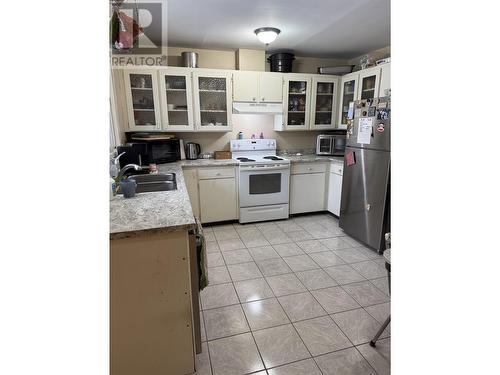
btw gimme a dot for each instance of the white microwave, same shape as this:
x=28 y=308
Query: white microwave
x=331 y=144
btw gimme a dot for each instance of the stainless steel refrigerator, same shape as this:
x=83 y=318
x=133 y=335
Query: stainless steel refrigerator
x=365 y=202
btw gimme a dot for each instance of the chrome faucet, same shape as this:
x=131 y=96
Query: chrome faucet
x=125 y=169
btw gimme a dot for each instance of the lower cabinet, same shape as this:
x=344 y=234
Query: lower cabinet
x=218 y=194
x=335 y=188
x=307 y=188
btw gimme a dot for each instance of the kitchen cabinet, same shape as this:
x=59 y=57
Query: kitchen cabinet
x=324 y=102
x=335 y=187
x=218 y=194
x=296 y=101
x=369 y=80
x=176 y=96
x=307 y=187
x=212 y=92
x=348 y=93
x=258 y=87
x=191 y=180
x=143 y=104
x=385 y=80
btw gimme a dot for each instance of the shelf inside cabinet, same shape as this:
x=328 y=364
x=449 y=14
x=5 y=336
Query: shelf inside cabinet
x=144 y=109
x=296 y=111
x=323 y=94
x=373 y=89
x=177 y=110
x=221 y=91
x=213 y=110
x=142 y=88
x=176 y=90
x=297 y=93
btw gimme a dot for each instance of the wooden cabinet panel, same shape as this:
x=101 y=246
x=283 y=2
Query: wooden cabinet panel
x=307 y=192
x=246 y=86
x=218 y=200
x=270 y=88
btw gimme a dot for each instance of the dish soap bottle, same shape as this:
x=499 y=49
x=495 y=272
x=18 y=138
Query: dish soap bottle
x=261 y=135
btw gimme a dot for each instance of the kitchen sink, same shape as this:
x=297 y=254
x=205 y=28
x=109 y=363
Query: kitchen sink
x=147 y=183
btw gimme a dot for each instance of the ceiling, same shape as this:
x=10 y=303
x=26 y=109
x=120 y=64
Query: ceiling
x=316 y=28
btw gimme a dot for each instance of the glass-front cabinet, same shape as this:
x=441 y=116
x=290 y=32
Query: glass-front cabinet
x=176 y=99
x=369 y=81
x=296 y=101
x=324 y=102
x=212 y=101
x=142 y=98
x=349 y=85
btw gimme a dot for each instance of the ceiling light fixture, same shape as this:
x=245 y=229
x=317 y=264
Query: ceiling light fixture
x=267 y=34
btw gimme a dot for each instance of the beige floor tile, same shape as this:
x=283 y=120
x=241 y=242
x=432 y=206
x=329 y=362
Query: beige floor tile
x=218 y=275
x=326 y=259
x=231 y=244
x=301 y=263
x=301 y=306
x=244 y=271
x=344 y=362
x=235 y=355
x=288 y=249
x=218 y=295
x=225 y=321
x=272 y=267
x=358 y=325
x=315 y=279
x=379 y=357
x=344 y=274
x=369 y=269
x=311 y=246
x=202 y=361
x=264 y=314
x=263 y=253
x=237 y=256
x=285 y=284
x=322 y=335
x=305 y=367
x=253 y=290
x=280 y=345
x=334 y=299
x=365 y=293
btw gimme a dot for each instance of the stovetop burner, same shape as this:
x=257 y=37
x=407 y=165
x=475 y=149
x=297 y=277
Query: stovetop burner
x=272 y=158
x=245 y=159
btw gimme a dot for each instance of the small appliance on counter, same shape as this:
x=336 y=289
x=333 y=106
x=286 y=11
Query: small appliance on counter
x=150 y=148
x=192 y=150
x=331 y=144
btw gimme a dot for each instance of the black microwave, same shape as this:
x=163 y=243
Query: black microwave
x=144 y=151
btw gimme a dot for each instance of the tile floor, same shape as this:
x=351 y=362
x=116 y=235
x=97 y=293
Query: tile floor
x=292 y=297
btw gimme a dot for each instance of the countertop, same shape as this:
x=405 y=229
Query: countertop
x=171 y=210
x=157 y=211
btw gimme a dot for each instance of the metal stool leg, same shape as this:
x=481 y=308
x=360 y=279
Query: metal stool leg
x=386 y=323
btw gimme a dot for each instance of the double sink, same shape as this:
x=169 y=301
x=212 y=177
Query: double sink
x=147 y=183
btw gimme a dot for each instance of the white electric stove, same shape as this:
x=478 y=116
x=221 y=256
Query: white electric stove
x=264 y=180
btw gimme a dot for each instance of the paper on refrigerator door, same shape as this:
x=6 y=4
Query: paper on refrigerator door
x=365 y=130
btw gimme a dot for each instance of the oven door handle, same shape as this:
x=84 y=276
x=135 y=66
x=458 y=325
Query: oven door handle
x=265 y=168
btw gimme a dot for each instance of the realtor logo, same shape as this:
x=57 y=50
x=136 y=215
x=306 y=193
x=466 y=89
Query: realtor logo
x=136 y=28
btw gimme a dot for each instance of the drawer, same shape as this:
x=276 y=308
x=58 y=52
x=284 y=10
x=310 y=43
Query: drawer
x=299 y=168
x=210 y=173
x=337 y=167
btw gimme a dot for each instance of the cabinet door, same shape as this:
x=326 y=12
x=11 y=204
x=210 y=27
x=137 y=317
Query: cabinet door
x=323 y=102
x=270 y=87
x=349 y=85
x=141 y=91
x=334 y=193
x=297 y=102
x=218 y=200
x=369 y=80
x=176 y=97
x=246 y=86
x=191 y=179
x=307 y=192
x=385 y=81
x=212 y=99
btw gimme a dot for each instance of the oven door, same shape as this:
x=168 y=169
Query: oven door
x=262 y=185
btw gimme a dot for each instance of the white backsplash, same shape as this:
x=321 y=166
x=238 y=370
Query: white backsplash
x=252 y=124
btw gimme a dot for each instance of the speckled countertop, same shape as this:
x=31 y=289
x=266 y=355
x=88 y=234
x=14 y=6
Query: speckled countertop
x=157 y=211
x=171 y=210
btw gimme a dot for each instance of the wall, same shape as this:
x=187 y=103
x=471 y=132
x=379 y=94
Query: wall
x=208 y=58
x=252 y=124
x=376 y=55
x=303 y=64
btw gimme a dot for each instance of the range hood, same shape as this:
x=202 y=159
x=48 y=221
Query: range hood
x=263 y=108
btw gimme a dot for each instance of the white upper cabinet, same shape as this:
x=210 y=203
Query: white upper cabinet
x=385 y=80
x=143 y=105
x=369 y=80
x=212 y=100
x=324 y=102
x=258 y=87
x=246 y=86
x=296 y=101
x=176 y=95
x=348 y=93
x=270 y=87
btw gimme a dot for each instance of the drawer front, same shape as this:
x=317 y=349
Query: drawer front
x=337 y=167
x=210 y=173
x=308 y=168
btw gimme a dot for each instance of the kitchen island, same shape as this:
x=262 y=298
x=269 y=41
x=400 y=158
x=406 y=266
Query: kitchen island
x=153 y=314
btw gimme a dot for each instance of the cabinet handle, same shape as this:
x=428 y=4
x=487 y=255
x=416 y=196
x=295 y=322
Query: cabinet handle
x=263 y=98
x=253 y=99
x=309 y=169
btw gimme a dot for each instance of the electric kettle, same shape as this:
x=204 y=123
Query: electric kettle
x=192 y=150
